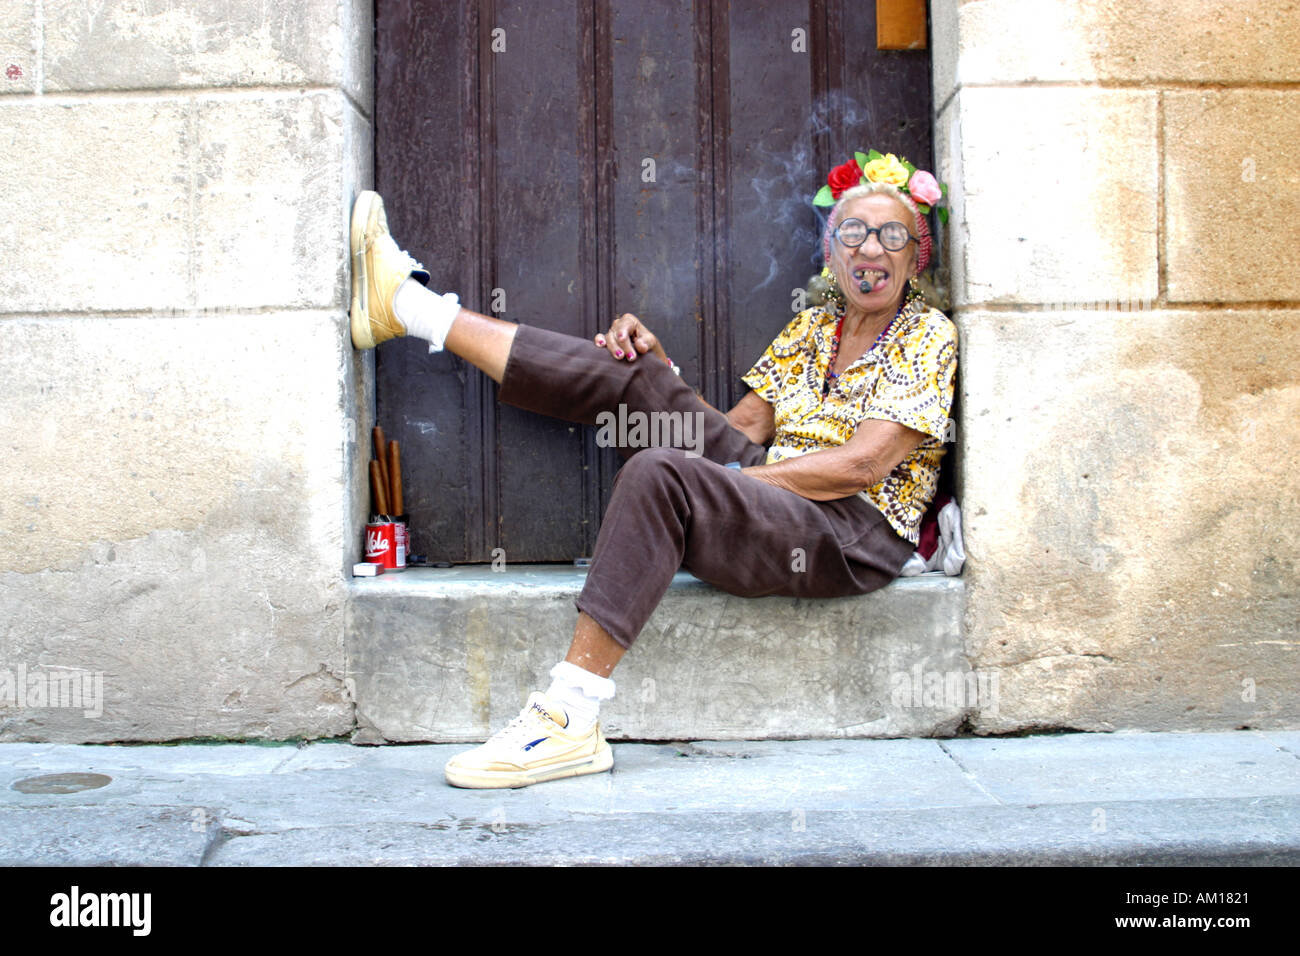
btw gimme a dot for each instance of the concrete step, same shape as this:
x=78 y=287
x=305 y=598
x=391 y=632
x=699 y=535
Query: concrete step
x=451 y=654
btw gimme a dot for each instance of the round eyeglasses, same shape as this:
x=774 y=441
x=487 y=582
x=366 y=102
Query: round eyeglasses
x=893 y=235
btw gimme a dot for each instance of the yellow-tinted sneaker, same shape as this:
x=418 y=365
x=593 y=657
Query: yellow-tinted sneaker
x=532 y=748
x=378 y=268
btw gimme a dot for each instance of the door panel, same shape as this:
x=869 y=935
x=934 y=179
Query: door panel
x=567 y=161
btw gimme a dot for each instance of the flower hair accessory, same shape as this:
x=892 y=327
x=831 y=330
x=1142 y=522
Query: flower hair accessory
x=918 y=189
x=874 y=167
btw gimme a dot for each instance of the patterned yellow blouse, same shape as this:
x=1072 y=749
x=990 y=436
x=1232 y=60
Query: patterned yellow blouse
x=906 y=377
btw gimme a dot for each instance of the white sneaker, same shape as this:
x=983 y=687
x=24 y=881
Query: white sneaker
x=530 y=749
x=378 y=268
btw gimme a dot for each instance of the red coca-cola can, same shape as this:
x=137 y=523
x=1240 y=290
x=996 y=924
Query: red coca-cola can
x=381 y=544
x=403 y=543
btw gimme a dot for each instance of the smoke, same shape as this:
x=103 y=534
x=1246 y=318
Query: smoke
x=837 y=123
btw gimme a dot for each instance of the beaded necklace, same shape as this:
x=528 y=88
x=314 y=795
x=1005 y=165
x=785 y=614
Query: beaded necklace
x=831 y=374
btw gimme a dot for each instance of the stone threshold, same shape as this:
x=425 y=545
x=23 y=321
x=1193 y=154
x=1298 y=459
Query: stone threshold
x=450 y=655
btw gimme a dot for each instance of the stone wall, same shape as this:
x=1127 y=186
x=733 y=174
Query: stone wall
x=179 y=490
x=1123 y=269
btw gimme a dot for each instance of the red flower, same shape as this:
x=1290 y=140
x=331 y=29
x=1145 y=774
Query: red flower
x=844 y=177
x=13 y=71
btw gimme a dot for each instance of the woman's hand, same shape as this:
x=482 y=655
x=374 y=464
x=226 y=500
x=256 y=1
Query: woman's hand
x=627 y=338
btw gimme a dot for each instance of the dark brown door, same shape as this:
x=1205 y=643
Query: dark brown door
x=558 y=163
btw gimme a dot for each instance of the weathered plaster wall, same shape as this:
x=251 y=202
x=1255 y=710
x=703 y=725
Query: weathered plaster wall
x=178 y=489
x=1129 y=474
x=180 y=492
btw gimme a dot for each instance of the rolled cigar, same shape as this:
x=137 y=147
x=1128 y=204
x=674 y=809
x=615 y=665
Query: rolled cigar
x=377 y=491
x=395 y=477
x=381 y=454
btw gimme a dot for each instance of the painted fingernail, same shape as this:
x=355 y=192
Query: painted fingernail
x=618 y=353
x=600 y=342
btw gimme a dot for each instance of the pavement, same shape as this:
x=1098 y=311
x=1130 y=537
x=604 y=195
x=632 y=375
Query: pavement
x=1089 y=799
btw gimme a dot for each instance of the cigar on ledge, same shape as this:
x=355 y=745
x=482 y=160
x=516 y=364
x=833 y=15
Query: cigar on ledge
x=377 y=492
x=395 y=478
x=381 y=455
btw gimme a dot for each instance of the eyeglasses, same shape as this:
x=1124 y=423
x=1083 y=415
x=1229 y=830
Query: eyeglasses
x=893 y=235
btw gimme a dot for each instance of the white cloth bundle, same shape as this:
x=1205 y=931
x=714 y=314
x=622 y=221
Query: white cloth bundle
x=950 y=555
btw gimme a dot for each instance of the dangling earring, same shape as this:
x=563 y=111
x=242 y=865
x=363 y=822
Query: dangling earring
x=914 y=290
x=834 y=294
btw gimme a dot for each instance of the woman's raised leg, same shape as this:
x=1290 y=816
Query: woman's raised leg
x=547 y=372
x=482 y=341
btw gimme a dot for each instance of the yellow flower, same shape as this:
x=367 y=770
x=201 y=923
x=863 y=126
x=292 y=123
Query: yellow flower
x=887 y=169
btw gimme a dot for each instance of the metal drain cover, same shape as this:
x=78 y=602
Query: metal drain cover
x=63 y=783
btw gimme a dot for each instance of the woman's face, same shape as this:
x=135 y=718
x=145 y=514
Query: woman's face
x=886 y=272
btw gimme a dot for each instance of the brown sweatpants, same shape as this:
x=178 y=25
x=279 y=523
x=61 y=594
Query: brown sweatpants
x=669 y=509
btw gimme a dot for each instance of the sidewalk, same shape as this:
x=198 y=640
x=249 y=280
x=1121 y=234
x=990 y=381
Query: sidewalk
x=1167 y=798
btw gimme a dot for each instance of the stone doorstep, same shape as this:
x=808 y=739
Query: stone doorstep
x=451 y=654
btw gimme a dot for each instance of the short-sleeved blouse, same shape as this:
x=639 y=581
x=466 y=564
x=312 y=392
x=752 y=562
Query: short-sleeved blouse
x=906 y=377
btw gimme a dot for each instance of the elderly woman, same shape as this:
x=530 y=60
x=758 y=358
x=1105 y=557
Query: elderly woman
x=853 y=398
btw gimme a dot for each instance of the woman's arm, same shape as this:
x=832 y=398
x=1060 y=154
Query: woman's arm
x=754 y=418
x=876 y=448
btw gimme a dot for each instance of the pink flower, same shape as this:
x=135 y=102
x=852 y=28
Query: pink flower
x=924 y=188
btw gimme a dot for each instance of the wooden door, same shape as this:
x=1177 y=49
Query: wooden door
x=558 y=163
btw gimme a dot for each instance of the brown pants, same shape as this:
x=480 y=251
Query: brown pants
x=669 y=509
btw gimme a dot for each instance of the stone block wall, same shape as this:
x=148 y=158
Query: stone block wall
x=180 y=485
x=181 y=489
x=1123 y=269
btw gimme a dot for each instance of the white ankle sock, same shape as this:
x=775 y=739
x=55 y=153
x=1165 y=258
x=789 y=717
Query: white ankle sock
x=579 y=692
x=426 y=314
